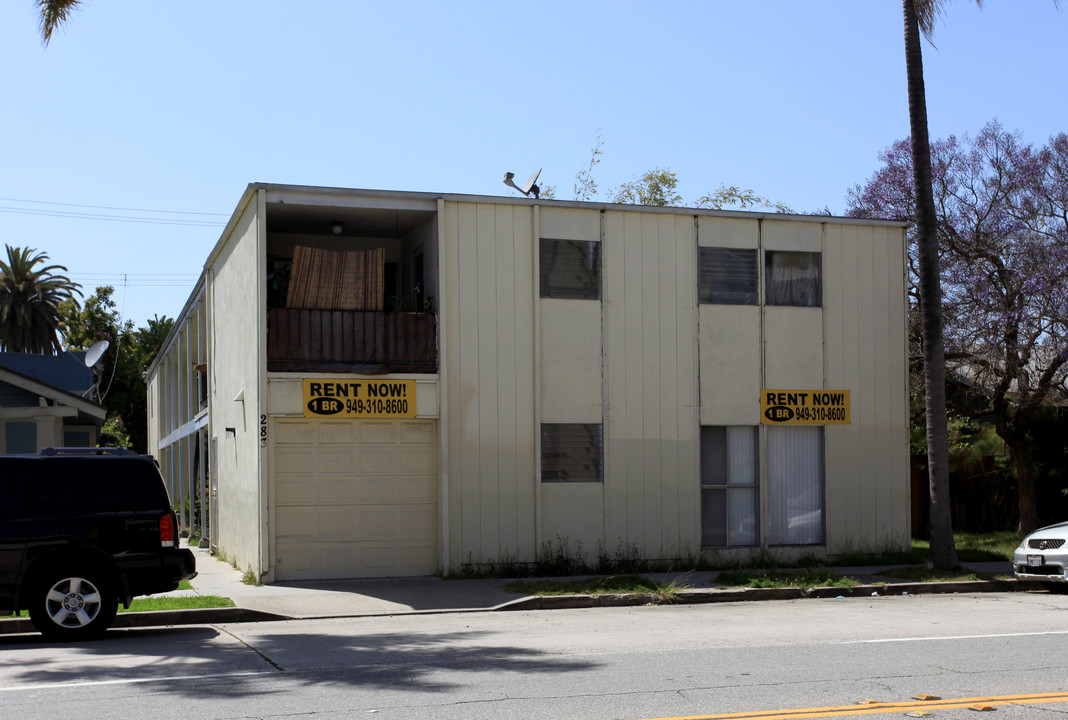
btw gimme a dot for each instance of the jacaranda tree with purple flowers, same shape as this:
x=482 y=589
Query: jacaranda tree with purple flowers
x=1002 y=228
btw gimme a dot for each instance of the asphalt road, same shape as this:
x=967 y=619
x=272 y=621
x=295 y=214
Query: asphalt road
x=629 y=663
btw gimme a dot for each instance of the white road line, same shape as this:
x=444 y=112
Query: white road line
x=91 y=683
x=952 y=637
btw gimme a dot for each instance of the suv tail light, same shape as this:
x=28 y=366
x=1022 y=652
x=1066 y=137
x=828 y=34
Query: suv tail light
x=168 y=535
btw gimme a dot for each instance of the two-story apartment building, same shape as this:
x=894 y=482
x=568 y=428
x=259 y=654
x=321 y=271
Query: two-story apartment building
x=371 y=383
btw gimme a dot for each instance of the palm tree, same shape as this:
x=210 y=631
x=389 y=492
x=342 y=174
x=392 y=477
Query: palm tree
x=29 y=302
x=919 y=17
x=53 y=14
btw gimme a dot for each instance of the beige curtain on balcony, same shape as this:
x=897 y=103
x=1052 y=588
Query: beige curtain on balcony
x=337 y=279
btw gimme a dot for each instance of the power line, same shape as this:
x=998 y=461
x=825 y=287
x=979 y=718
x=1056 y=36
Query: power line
x=108 y=207
x=135 y=280
x=111 y=218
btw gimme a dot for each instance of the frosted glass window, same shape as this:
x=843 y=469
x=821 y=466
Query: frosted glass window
x=729 y=477
x=795 y=485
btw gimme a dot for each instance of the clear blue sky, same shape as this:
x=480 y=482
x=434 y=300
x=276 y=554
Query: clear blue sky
x=177 y=106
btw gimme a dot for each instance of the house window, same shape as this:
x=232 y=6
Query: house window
x=792 y=278
x=20 y=438
x=729 y=480
x=76 y=439
x=572 y=452
x=795 y=485
x=570 y=269
x=726 y=277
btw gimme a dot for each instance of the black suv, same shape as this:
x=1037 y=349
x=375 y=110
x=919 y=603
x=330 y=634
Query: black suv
x=82 y=529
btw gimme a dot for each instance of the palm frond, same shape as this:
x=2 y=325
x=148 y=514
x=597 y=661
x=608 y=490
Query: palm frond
x=53 y=14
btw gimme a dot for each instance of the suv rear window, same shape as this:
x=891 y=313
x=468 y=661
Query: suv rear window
x=116 y=484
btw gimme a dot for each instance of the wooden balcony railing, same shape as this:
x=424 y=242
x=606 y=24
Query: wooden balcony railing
x=370 y=342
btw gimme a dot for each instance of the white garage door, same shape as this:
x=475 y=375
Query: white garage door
x=355 y=498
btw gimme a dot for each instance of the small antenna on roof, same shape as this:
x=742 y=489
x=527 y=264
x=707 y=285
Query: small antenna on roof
x=529 y=188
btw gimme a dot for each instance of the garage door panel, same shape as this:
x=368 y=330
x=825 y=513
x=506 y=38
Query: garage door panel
x=355 y=498
x=416 y=523
x=354 y=560
x=417 y=490
x=337 y=432
x=297 y=522
x=332 y=460
x=385 y=431
x=415 y=460
x=418 y=433
x=290 y=461
x=384 y=459
x=294 y=432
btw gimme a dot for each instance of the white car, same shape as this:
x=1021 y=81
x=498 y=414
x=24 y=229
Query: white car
x=1043 y=557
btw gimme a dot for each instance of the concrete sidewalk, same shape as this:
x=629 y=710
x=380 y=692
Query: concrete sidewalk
x=393 y=596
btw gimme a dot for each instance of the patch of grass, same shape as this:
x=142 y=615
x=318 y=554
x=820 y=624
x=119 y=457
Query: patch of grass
x=914 y=556
x=184 y=585
x=803 y=579
x=922 y=574
x=980 y=547
x=249 y=578
x=191 y=602
x=595 y=586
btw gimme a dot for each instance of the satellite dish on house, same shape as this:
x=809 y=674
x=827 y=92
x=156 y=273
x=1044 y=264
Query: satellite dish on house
x=529 y=188
x=95 y=353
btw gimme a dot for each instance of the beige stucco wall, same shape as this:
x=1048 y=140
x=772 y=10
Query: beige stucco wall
x=235 y=296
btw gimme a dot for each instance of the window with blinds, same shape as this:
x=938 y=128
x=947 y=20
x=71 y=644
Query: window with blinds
x=572 y=452
x=726 y=276
x=570 y=269
x=795 y=485
x=729 y=487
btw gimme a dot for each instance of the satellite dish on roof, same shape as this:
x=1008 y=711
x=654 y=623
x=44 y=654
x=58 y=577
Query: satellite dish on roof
x=529 y=188
x=95 y=353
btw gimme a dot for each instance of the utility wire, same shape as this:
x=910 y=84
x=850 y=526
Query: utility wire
x=111 y=218
x=108 y=207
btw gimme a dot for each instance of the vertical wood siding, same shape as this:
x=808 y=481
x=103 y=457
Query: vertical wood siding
x=867 y=461
x=651 y=434
x=488 y=256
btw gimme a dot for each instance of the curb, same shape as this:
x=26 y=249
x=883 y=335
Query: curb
x=153 y=618
x=694 y=597
x=211 y=616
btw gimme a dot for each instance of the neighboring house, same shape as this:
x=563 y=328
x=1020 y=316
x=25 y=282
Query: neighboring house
x=370 y=383
x=44 y=402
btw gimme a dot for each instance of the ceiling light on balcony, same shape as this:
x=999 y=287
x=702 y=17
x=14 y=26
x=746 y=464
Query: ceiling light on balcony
x=336 y=227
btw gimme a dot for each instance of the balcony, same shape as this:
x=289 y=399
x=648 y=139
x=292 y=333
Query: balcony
x=358 y=341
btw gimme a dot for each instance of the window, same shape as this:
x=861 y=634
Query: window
x=570 y=269
x=76 y=438
x=726 y=277
x=792 y=278
x=795 y=485
x=571 y=452
x=729 y=477
x=20 y=437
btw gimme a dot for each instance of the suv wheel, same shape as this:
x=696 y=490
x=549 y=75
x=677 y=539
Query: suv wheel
x=73 y=605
